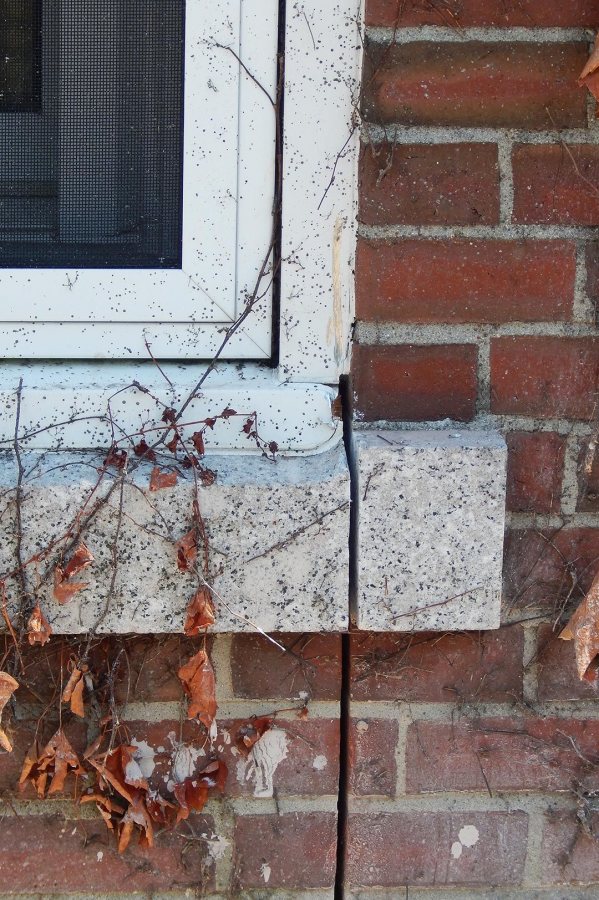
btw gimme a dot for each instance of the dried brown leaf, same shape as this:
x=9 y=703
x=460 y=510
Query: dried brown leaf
x=136 y=816
x=64 y=591
x=160 y=480
x=74 y=677
x=192 y=793
x=197 y=439
x=8 y=686
x=187 y=551
x=38 y=627
x=583 y=629
x=589 y=76
x=77 y=706
x=250 y=733
x=200 y=613
x=197 y=677
x=81 y=559
x=55 y=761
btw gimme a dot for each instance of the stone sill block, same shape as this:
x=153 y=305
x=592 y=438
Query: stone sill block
x=429 y=522
x=277 y=533
x=430 y=529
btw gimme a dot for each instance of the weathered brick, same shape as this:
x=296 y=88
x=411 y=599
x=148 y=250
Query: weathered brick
x=311 y=764
x=499 y=754
x=534 y=471
x=588 y=476
x=483 y=666
x=551 y=569
x=371 y=748
x=592 y=280
x=424 y=848
x=294 y=850
x=50 y=855
x=568 y=854
x=438 y=184
x=548 y=377
x=477 y=13
x=464 y=281
x=511 y=85
x=556 y=669
x=415 y=383
x=553 y=184
x=311 y=668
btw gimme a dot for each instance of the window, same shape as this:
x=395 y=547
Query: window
x=138 y=142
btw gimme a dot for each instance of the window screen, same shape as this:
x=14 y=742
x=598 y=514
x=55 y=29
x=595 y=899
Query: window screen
x=91 y=133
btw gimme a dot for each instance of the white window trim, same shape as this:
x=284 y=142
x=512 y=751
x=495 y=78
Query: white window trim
x=322 y=66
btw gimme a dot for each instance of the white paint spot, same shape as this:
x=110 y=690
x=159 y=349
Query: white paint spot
x=185 y=759
x=265 y=870
x=320 y=763
x=226 y=736
x=469 y=835
x=99 y=855
x=361 y=726
x=142 y=765
x=303 y=695
x=262 y=762
x=217 y=846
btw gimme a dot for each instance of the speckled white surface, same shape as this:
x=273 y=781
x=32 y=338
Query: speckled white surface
x=431 y=520
x=277 y=533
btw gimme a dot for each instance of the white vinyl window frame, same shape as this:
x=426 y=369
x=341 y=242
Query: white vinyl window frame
x=320 y=137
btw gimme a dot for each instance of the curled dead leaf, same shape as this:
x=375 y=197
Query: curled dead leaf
x=192 y=793
x=250 y=733
x=589 y=77
x=583 y=629
x=197 y=677
x=64 y=590
x=200 y=613
x=187 y=551
x=82 y=558
x=38 y=627
x=197 y=439
x=55 y=762
x=8 y=685
x=73 y=692
x=160 y=480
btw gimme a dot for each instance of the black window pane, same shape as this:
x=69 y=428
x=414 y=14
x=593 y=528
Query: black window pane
x=91 y=178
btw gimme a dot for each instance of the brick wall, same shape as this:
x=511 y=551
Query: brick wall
x=241 y=843
x=477 y=282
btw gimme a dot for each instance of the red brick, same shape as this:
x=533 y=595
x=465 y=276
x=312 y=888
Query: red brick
x=568 y=854
x=415 y=848
x=490 y=13
x=415 y=383
x=371 y=749
x=534 y=471
x=299 y=850
x=512 y=85
x=548 y=377
x=556 y=668
x=262 y=671
x=588 y=481
x=550 y=569
x=465 y=281
x=51 y=855
x=499 y=754
x=483 y=666
x=553 y=184
x=438 y=184
x=309 y=741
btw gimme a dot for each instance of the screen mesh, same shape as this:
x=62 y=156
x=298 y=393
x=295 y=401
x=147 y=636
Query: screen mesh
x=91 y=133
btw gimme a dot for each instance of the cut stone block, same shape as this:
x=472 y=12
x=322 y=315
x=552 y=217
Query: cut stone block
x=276 y=532
x=430 y=532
